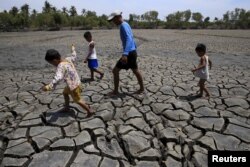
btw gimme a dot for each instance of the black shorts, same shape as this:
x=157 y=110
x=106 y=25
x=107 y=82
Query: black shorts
x=131 y=64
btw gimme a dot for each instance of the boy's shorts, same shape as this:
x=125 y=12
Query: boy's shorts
x=131 y=64
x=92 y=63
x=75 y=94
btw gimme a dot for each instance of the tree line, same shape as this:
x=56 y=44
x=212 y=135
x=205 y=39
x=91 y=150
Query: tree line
x=52 y=18
x=237 y=19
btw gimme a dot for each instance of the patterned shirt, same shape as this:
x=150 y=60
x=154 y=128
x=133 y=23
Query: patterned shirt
x=66 y=71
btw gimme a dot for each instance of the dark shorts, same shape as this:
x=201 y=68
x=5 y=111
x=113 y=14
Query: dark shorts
x=131 y=64
x=92 y=63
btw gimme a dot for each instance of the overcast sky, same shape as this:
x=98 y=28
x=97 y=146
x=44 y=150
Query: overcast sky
x=211 y=8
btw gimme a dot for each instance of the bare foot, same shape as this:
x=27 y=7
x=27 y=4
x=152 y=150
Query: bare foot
x=65 y=109
x=140 y=91
x=207 y=96
x=112 y=94
x=101 y=76
x=199 y=95
x=89 y=114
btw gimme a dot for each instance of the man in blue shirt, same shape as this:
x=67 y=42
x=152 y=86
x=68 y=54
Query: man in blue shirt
x=129 y=55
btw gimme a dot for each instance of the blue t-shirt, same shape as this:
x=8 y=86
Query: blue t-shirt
x=127 y=38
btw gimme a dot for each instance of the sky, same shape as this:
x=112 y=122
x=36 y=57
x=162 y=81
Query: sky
x=211 y=8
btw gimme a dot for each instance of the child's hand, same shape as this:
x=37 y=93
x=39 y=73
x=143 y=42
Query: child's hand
x=43 y=88
x=85 y=61
x=193 y=70
x=72 y=48
x=124 y=59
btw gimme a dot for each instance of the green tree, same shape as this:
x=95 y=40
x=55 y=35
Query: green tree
x=236 y=19
x=248 y=18
x=47 y=7
x=5 y=21
x=25 y=15
x=33 y=18
x=176 y=20
x=51 y=18
x=57 y=18
x=25 y=9
x=65 y=16
x=226 y=19
x=206 y=22
x=65 y=11
x=151 y=17
x=197 y=17
x=187 y=15
x=179 y=18
x=91 y=14
x=103 y=21
x=243 y=19
x=72 y=13
x=131 y=19
x=53 y=9
x=34 y=12
x=14 y=11
x=44 y=20
x=83 y=11
x=90 y=20
x=171 y=21
x=14 y=18
x=134 y=20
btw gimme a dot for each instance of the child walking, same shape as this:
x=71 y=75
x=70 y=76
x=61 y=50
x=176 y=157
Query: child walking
x=65 y=70
x=92 y=57
x=202 y=70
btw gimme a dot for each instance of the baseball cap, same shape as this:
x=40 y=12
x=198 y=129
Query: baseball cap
x=115 y=13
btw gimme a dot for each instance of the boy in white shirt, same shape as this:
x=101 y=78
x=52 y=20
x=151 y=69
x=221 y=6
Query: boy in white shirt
x=92 y=57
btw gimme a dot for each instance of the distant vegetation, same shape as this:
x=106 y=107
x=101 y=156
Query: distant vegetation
x=52 y=18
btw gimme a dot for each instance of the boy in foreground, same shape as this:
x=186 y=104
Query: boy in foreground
x=66 y=71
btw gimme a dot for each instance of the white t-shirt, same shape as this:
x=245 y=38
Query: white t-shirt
x=92 y=51
x=203 y=73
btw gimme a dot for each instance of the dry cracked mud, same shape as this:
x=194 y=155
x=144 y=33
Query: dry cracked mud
x=164 y=127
